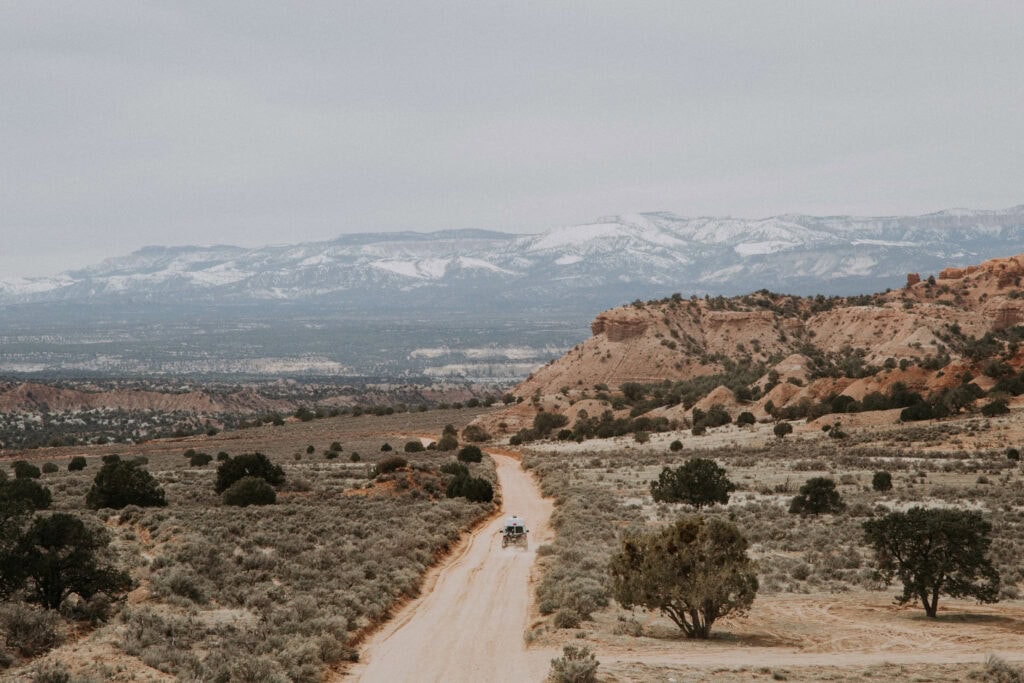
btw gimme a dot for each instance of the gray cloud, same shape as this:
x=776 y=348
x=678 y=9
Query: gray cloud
x=124 y=124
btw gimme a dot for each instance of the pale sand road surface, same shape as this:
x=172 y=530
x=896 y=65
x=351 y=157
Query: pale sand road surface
x=469 y=625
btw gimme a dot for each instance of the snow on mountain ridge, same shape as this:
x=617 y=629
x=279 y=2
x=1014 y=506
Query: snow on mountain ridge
x=608 y=260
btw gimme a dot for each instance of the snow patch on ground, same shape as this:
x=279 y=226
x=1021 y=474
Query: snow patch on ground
x=757 y=248
x=468 y=262
x=576 y=234
x=425 y=269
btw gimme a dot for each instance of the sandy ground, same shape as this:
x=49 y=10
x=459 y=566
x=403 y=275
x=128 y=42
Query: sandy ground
x=469 y=624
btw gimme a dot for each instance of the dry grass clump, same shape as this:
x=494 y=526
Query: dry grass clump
x=997 y=670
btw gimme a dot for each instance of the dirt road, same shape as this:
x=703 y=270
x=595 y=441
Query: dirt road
x=468 y=625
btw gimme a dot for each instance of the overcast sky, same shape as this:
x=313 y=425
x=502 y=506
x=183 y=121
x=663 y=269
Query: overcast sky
x=131 y=123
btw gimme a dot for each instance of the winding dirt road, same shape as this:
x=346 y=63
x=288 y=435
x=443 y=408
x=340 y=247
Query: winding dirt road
x=469 y=623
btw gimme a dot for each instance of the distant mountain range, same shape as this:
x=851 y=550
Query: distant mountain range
x=580 y=268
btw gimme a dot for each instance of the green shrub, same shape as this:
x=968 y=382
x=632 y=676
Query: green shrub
x=576 y=665
x=471 y=454
x=310 y=449
x=782 y=429
x=475 y=433
x=222 y=456
x=474 y=489
x=717 y=416
x=30 y=631
x=1013 y=454
x=354 y=457
x=249 y=490
x=817 y=496
x=18 y=496
x=697 y=482
x=695 y=572
x=386 y=447
x=113 y=457
x=998 y=671
x=456 y=469
x=331 y=455
x=881 y=481
x=918 y=411
x=200 y=460
x=336 y=447
x=247 y=465
x=50 y=467
x=26 y=470
x=543 y=423
x=391 y=464
x=676 y=446
x=447 y=442
x=77 y=463
x=414 y=446
x=745 y=418
x=118 y=484
x=995 y=407
x=59 y=555
x=567 y=617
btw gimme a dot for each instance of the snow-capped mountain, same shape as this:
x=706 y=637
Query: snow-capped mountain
x=580 y=267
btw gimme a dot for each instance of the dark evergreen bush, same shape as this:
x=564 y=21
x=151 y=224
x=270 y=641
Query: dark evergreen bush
x=456 y=469
x=817 y=496
x=782 y=429
x=882 y=481
x=475 y=489
x=77 y=463
x=18 y=496
x=415 y=446
x=247 y=465
x=543 y=423
x=448 y=442
x=475 y=433
x=249 y=491
x=26 y=470
x=697 y=482
x=391 y=464
x=200 y=459
x=118 y=484
x=471 y=454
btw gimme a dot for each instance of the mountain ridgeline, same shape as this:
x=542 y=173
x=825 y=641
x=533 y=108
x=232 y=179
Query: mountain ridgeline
x=576 y=269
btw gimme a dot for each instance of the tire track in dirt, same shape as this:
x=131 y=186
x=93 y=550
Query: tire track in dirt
x=469 y=625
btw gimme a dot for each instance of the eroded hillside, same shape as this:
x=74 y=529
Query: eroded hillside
x=788 y=357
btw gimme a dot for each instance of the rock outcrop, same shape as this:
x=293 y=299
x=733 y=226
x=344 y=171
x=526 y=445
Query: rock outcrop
x=901 y=332
x=618 y=327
